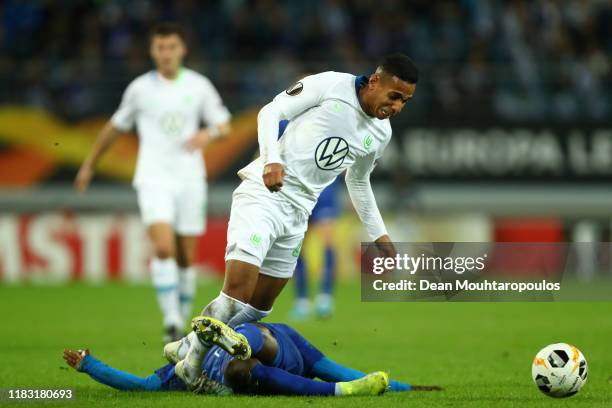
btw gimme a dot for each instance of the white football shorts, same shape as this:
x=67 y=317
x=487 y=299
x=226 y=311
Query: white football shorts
x=183 y=205
x=265 y=230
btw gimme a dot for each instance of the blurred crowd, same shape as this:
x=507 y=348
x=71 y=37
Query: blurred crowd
x=514 y=60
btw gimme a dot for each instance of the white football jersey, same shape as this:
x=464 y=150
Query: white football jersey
x=166 y=114
x=328 y=133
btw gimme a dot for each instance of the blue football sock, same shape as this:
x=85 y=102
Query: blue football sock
x=327 y=283
x=329 y=370
x=279 y=381
x=118 y=379
x=253 y=335
x=301 y=281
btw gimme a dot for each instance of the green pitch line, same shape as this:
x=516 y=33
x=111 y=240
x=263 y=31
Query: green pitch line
x=480 y=352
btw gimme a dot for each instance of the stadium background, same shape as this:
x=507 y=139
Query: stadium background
x=508 y=137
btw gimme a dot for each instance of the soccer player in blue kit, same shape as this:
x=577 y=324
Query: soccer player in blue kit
x=255 y=358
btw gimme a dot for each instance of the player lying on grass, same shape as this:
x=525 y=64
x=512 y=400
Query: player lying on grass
x=253 y=359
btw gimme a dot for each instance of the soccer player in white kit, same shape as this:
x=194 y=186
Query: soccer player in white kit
x=337 y=122
x=167 y=106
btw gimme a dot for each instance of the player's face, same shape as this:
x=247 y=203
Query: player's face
x=389 y=94
x=168 y=52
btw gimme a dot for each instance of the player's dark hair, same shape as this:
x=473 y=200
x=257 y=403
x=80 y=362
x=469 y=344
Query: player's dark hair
x=168 y=28
x=401 y=66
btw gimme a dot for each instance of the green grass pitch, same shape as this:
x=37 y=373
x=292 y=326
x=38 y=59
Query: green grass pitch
x=480 y=352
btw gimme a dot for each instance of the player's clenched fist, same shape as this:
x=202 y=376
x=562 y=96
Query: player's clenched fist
x=273 y=175
x=385 y=247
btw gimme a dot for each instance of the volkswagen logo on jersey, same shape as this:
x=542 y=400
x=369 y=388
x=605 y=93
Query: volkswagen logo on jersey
x=331 y=152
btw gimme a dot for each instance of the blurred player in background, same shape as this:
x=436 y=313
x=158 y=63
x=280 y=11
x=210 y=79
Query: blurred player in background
x=323 y=222
x=167 y=107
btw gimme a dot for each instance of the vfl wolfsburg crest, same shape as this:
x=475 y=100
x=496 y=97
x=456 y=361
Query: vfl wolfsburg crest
x=367 y=141
x=331 y=152
x=296 y=251
x=255 y=239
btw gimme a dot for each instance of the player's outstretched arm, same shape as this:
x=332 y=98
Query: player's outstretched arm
x=105 y=139
x=360 y=191
x=83 y=361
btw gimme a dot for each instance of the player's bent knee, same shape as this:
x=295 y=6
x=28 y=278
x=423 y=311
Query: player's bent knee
x=238 y=376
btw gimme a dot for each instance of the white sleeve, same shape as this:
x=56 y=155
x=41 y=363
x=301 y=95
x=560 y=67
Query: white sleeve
x=125 y=116
x=299 y=97
x=214 y=111
x=360 y=190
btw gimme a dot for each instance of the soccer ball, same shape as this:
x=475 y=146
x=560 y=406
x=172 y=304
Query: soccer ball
x=559 y=370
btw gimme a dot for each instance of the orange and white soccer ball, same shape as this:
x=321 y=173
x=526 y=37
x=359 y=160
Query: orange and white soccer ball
x=559 y=370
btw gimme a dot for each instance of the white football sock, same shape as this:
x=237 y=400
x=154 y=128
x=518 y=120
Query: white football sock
x=324 y=300
x=248 y=314
x=195 y=355
x=183 y=348
x=187 y=288
x=164 y=274
x=223 y=307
